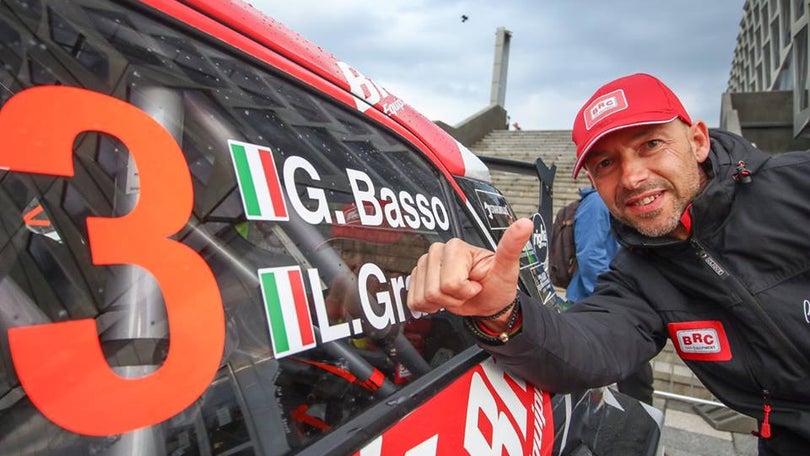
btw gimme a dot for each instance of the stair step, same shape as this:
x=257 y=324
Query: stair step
x=725 y=419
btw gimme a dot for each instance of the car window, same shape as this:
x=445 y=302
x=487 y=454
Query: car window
x=309 y=217
x=494 y=210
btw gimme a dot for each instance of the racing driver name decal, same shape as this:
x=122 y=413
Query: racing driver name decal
x=291 y=323
x=269 y=192
x=264 y=197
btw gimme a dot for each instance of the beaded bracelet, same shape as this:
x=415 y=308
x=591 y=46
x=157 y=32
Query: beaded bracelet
x=503 y=337
x=500 y=312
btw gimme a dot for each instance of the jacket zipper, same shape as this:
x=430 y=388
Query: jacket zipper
x=779 y=337
x=764 y=431
x=752 y=304
x=711 y=262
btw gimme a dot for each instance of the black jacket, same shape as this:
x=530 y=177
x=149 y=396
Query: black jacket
x=734 y=298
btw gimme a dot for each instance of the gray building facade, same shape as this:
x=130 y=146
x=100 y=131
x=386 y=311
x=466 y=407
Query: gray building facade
x=767 y=97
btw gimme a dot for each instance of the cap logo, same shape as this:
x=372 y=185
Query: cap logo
x=604 y=106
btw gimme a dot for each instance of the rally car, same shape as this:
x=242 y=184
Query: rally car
x=208 y=226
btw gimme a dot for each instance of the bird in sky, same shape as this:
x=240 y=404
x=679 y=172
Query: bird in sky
x=464 y=18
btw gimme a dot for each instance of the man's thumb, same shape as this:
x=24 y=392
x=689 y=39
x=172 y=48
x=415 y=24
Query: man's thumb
x=512 y=243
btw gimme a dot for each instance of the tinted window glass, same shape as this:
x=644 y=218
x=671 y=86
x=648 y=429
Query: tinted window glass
x=309 y=216
x=496 y=214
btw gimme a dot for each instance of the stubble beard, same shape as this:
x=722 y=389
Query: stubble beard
x=693 y=184
x=668 y=223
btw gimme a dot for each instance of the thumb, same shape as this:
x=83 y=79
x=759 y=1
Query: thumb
x=498 y=273
x=514 y=239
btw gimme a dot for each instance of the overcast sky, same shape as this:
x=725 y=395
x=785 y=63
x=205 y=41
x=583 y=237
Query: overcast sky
x=561 y=51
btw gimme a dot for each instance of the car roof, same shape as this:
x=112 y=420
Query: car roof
x=264 y=31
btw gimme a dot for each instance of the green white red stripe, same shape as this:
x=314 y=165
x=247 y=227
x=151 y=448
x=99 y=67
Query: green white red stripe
x=259 y=184
x=287 y=309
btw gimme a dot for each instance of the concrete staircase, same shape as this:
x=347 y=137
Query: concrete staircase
x=555 y=147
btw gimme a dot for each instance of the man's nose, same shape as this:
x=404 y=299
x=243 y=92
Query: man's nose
x=634 y=172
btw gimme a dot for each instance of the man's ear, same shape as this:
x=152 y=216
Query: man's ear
x=699 y=137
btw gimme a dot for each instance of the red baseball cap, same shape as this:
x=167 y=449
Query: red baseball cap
x=638 y=99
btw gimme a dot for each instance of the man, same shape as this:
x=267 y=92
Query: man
x=595 y=244
x=717 y=258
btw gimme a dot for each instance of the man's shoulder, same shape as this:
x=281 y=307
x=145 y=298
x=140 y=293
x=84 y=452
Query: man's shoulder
x=740 y=147
x=791 y=158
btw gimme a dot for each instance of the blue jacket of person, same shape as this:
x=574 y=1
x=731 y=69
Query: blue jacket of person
x=595 y=244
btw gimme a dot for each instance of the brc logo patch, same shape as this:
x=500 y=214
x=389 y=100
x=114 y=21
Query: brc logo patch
x=607 y=104
x=700 y=340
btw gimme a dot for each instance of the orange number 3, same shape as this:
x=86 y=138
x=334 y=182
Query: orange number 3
x=60 y=365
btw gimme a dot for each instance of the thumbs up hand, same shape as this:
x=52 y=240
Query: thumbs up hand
x=468 y=280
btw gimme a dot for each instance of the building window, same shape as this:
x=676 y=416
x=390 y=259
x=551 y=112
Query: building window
x=784 y=80
x=765 y=32
x=766 y=68
x=800 y=49
x=784 y=11
x=775 y=44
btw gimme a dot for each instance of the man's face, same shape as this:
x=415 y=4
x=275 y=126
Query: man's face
x=647 y=175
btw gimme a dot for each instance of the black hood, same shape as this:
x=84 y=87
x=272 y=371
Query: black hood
x=711 y=206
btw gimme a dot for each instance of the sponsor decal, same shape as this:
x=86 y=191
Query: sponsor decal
x=542 y=282
x=367 y=93
x=393 y=107
x=539 y=239
x=497 y=212
x=503 y=416
x=700 y=340
x=534 y=259
x=604 y=106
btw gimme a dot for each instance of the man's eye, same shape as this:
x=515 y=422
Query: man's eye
x=604 y=164
x=653 y=143
x=600 y=168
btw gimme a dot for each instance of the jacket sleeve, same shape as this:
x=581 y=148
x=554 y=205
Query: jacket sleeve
x=598 y=341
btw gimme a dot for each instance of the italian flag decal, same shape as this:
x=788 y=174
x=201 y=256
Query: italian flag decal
x=258 y=180
x=287 y=309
